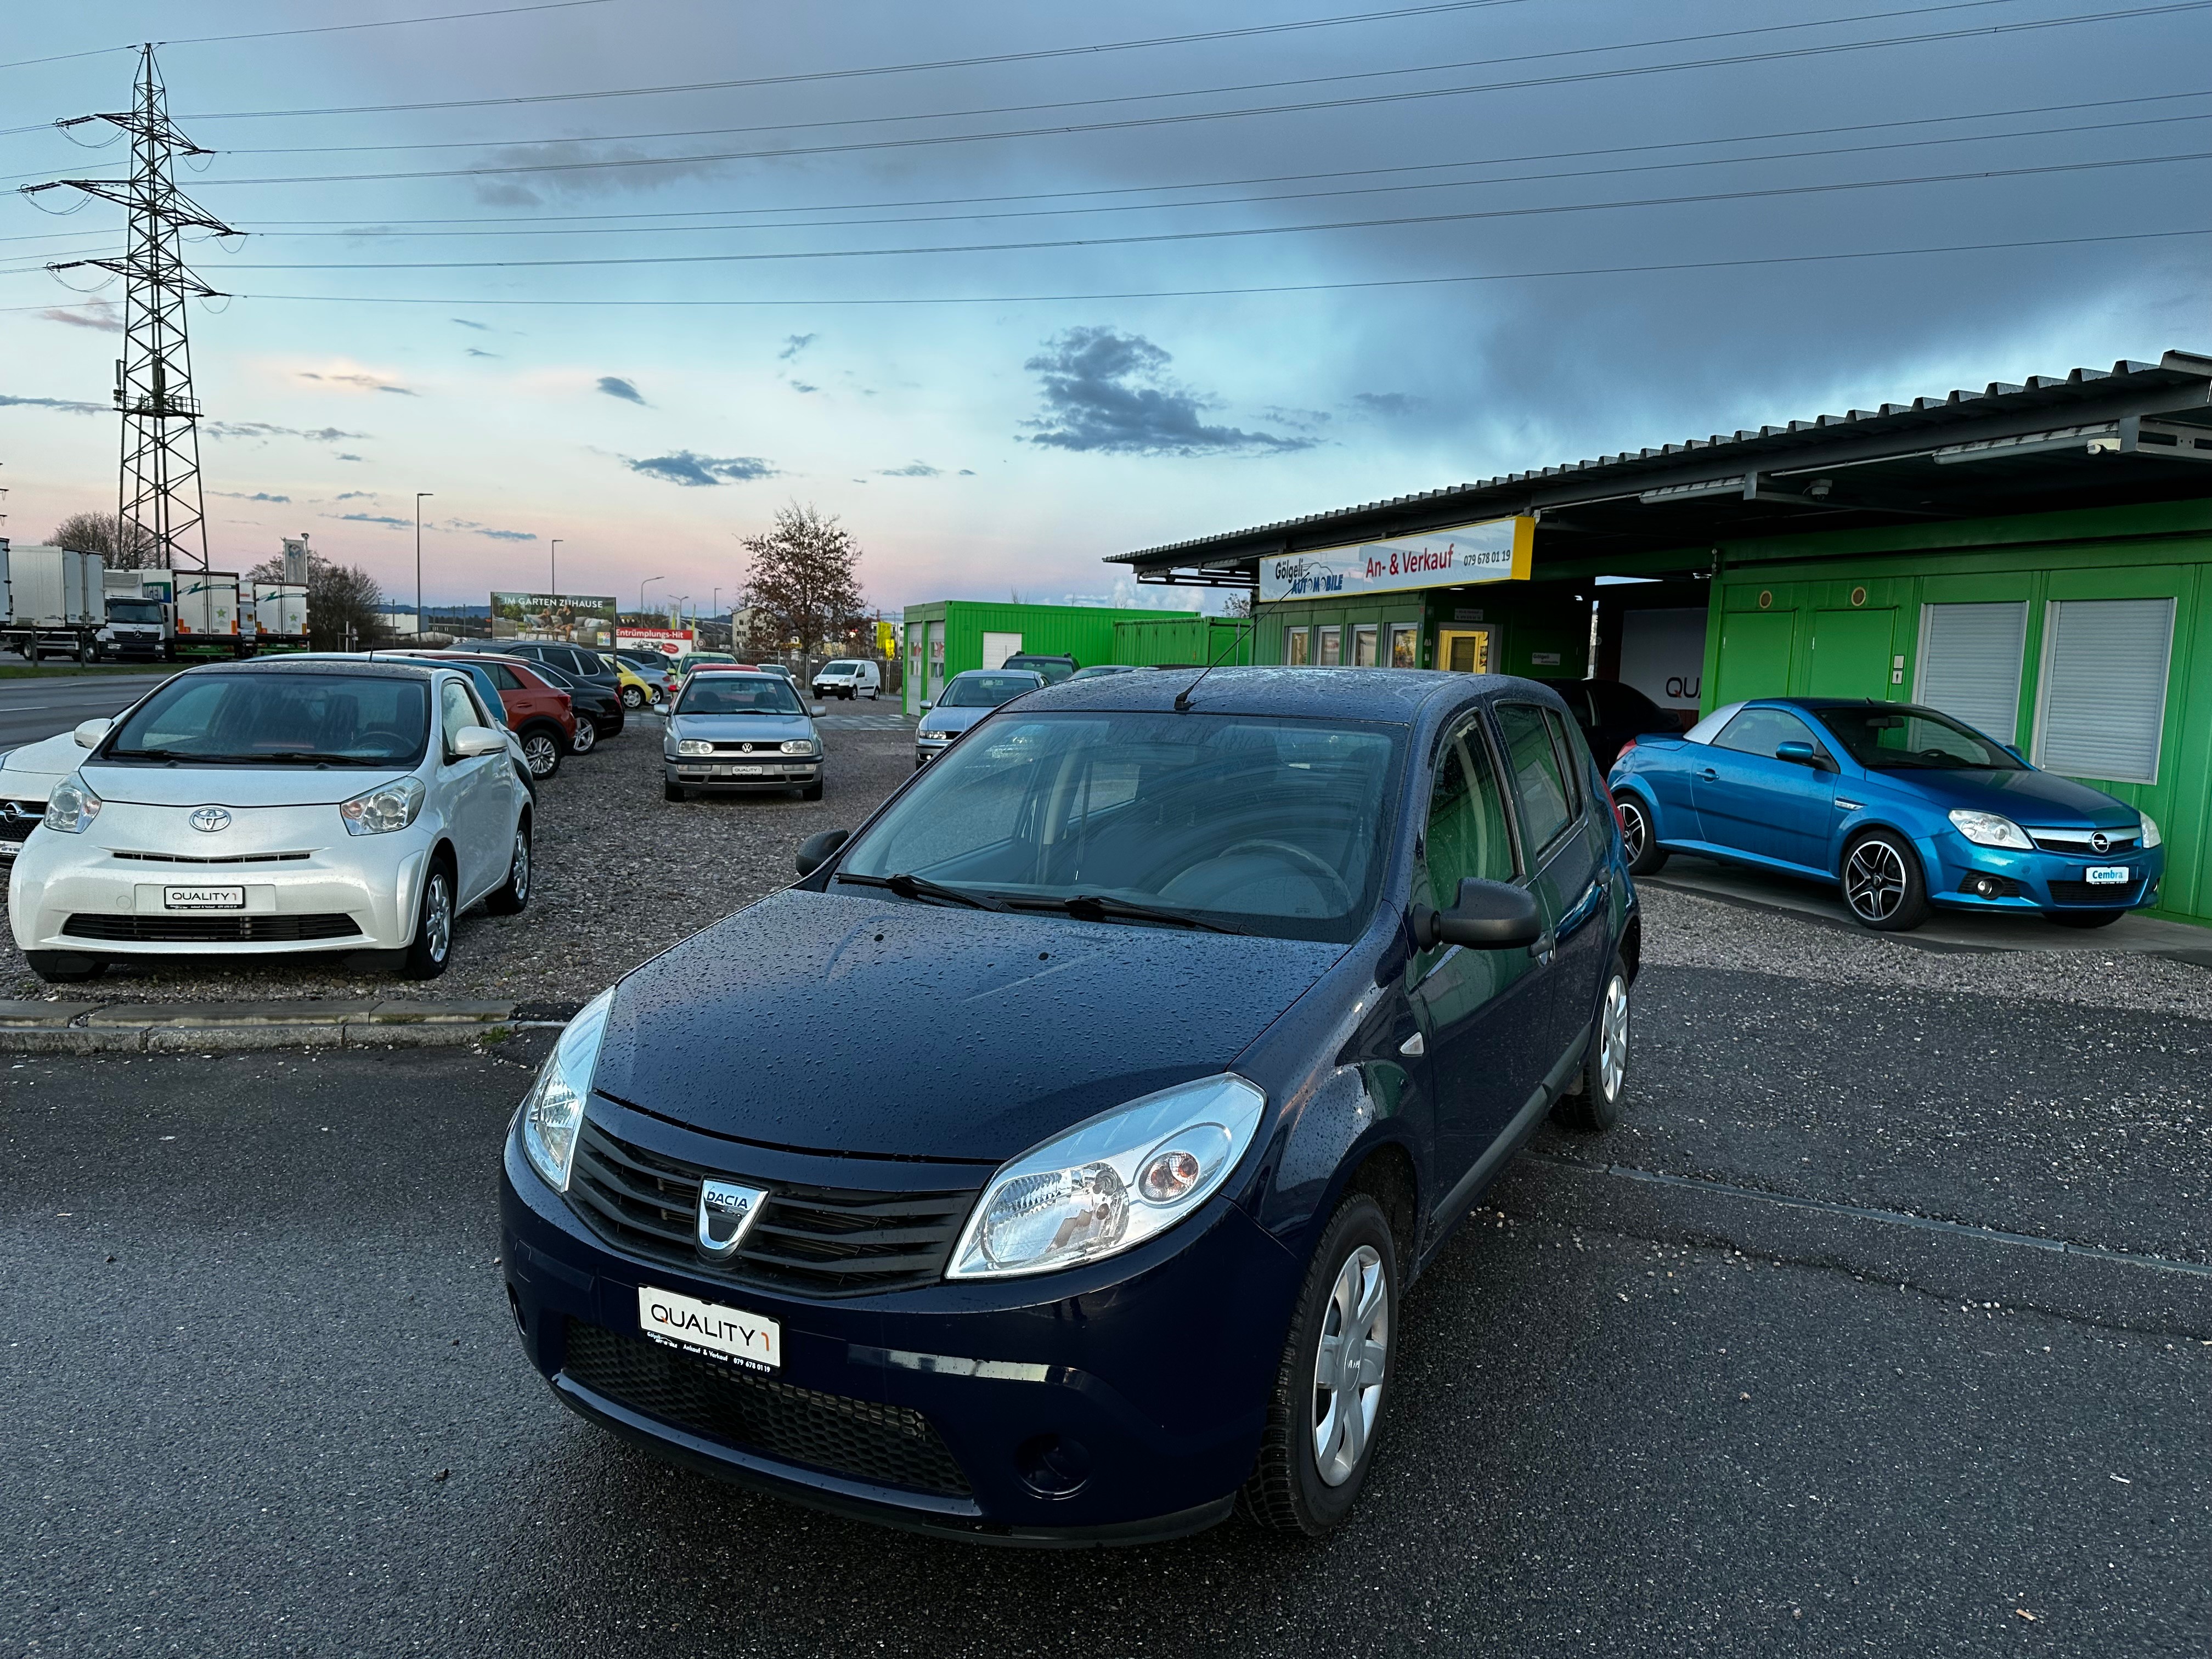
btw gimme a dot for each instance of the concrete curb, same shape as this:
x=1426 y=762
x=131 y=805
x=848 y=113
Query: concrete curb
x=204 y=1028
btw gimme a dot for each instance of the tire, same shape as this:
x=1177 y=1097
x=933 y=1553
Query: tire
x=1294 y=1487
x=1645 y=856
x=432 y=947
x=2084 y=918
x=812 y=792
x=510 y=900
x=1592 y=1106
x=586 y=739
x=1883 y=886
x=541 y=750
x=632 y=697
x=674 y=792
x=63 y=967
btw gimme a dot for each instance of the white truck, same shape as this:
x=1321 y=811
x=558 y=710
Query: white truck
x=280 y=616
x=205 y=613
x=137 y=628
x=55 y=601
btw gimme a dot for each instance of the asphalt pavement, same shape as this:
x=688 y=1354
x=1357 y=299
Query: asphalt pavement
x=1793 y=1363
x=34 y=708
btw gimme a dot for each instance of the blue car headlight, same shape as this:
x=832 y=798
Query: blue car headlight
x=1990 y=829
x=1112 y=1183
x=553 y=1111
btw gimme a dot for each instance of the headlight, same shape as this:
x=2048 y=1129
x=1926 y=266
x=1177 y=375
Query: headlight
x=389 y=807
x=934 y=737
x=553 y=1110
x=800 y=746
x=1110 y=1183
x=2150 y=836
x=1988 y=829
x=71 y=807
x=695 y=746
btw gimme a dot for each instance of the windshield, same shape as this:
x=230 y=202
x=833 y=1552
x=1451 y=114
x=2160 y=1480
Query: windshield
x=273 y=720
x=134 y=610
x=1899 y=736
x=841 y=668
x=737 y=694
x=984 y=690
x=1260 y=826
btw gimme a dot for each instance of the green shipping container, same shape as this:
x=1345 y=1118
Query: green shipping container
x=950 y=636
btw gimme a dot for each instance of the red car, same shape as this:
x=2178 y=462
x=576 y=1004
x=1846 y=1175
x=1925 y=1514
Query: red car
x=542 y=715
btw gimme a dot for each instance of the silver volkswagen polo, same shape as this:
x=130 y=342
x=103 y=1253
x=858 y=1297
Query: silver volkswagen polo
x=733 y=729
x=252 y=809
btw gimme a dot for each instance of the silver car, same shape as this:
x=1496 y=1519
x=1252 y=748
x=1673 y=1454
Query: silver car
x=740 y=731
x=965 y=699
x=258 y=808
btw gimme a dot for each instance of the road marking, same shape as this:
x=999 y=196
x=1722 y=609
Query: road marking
x=1889 y=1218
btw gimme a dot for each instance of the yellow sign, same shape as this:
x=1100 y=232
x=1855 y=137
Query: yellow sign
x=886 y=640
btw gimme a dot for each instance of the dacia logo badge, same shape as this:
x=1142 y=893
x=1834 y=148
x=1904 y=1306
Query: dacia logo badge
x=210 y=819
x=2100 y=842
x=727 y=1210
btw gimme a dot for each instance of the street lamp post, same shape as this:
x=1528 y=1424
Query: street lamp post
x=640 y=591
x=420 y=495
x=553 y=567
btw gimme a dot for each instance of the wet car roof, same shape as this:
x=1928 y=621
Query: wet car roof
x=1359 y=693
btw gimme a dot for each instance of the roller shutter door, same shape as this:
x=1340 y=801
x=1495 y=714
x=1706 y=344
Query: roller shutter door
x=2103 y=706
x=1970 y=658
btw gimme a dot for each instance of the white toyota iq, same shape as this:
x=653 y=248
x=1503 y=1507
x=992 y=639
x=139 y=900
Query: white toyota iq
x=258 y=808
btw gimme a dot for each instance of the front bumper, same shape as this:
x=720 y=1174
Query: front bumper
x=927 y=747
x=742 y=771
x=1155 y=1368
x=1965 y=876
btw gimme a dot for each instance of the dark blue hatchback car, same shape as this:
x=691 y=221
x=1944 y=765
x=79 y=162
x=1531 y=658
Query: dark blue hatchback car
x=1048 y=1165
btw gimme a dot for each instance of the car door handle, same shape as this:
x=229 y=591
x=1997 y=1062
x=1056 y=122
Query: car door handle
x=1710 y=775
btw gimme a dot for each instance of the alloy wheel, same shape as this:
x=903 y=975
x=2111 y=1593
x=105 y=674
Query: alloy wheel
x=518 y=872
x=1873 y=880
x=632 y=697
x=541 y=754
x=438 y=916
x=1613 y=1039
x=1349 y=1367
x=1634 y=831
x=587 y=736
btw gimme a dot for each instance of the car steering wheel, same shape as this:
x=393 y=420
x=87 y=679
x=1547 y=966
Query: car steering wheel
x=1311 y=863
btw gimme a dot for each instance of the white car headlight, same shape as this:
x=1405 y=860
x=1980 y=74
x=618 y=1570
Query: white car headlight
x=72 y=806
x=1110 y=1183
x=553 y=1110
x=695 y=746
x=1988 y=829
x=384 y=809
x=800 y=746
x=2150 y=836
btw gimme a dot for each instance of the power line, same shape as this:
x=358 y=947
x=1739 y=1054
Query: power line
x=1540 y=211
x=1075 y=128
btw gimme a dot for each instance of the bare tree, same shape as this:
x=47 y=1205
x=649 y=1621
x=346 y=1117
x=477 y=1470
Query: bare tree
x=124 y=544
x=803 y=580
x=1239 y=605
x=342 y=602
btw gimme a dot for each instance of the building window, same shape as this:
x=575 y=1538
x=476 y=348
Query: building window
x=1970 y=658
x=2101 y=712
x=1362 y=645
x=1404 y=645
x=1332 y=646
x=1297 y=646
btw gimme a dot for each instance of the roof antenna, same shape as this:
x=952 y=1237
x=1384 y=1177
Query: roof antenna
x=1183 y=697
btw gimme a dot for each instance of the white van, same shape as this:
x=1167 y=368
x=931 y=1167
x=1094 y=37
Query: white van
x=850 y=677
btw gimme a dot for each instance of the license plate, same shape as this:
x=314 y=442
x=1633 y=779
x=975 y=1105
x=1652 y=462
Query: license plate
x=741 y=771
x=2108 y=875
x=705 y=1327
x=204 y=898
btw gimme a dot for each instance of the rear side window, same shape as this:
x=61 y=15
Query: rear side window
x=1762 y=731
x=1572 y=764
x=505 y=678
x=1539 y=783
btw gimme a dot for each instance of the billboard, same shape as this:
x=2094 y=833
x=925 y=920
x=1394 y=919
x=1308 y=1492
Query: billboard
x=669 y=641
x=1493 y=549
x=570 y=618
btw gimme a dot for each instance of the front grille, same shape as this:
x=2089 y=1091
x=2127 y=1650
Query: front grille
x=884 y=1445
x=809 y=1240
x=220 y=928
x=2075 y=842
x=218 y=858
x=2097 y=893
x=19 y=818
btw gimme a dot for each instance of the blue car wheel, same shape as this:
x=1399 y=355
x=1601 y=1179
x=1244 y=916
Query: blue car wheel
x=1883 y=884
x=1639 y=839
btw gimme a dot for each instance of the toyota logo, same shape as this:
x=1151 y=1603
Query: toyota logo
x=2100 y=842
x=210 y=819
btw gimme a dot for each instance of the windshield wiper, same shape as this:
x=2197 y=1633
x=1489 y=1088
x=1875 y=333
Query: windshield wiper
x=920 y=887
x=1100 y=907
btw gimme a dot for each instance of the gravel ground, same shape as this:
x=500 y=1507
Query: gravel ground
x=621 y=875
x=1683 y=931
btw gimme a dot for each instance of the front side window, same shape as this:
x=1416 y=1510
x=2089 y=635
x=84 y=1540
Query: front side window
x=1902 y=737
x=737 y=694
x=984 y=690
x=1258 y=825
x=1764 y=731
x=1539 y=783
x=454 y=712
x=1466 y=833
x=276 y=720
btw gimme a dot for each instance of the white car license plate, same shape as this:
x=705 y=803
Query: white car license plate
x=741 y=771
x=2108 y=875
x=204 y=898
x=730 y=1332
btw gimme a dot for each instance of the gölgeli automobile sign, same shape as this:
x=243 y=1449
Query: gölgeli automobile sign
x=1492 y=550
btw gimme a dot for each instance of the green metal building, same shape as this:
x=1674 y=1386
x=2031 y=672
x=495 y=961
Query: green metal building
x=949 y=636
x=2035 y=559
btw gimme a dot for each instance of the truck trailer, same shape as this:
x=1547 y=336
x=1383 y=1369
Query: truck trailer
x=55 y=601
x=204 y=610
x=280 y=616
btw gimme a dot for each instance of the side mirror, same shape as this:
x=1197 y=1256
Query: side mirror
x=817 y=850
x=89 y=734
x=1489 y=916
x=473 y=741
x=925 y=708
x=2010 y=749
x=816 y=708
x=1797 y=754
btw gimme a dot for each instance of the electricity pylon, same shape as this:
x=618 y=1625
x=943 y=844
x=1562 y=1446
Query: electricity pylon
x=158 y=499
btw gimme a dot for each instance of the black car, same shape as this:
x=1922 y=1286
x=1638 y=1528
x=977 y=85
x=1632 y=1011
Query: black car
x=587 y=667
x=1610 y=713
x=598 y=704
x=1174 y=1029
x=1055 y=669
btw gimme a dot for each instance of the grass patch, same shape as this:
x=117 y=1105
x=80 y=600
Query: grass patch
x=41 y=671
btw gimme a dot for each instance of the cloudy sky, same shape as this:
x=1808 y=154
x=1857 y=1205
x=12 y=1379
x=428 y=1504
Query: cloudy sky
x=1011 y=287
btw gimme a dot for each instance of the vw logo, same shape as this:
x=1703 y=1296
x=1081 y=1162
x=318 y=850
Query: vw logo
x=210 y=819
x=2100 y=842
x=746 y=748
x=725 y=1214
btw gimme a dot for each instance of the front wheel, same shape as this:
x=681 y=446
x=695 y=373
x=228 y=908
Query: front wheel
x=541 y=751
x=1639 y=840
x=1882 y=883
x=433 y=946
x=812 y=792
x=1595 y=1105
x=1327 y=1404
